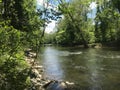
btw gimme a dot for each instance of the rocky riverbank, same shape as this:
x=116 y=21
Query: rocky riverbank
x=37 y=79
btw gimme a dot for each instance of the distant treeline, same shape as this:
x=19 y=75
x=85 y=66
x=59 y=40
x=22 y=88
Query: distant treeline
x=78 y=28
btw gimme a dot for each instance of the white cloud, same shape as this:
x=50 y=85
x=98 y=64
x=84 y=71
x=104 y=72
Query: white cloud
x=40 y=2
x=93 y=5
x=50 y=26
x=45 y=4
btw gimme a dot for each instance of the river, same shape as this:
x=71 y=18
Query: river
x=90 y=69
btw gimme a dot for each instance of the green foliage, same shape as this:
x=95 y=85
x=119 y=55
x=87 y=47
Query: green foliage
x=21 y=13
x=107 y=20
x=116 y=4
x=9 y=39
x=75 y=27
x=13 y=67
x=20 y=28
x=49 y=38
x=13 y=73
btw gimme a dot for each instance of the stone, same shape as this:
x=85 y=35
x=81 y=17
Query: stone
x=69 y=83
x=32 y=55
x=55 y=85
x=33 y=80
x=38 y=79
x=62 y=84
x=38 y=67
x=39 y=76
x=35 y=72
x=47 y=84
x=38 y=84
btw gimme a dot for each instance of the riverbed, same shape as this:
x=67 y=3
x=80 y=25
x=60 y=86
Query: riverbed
x=90 y=69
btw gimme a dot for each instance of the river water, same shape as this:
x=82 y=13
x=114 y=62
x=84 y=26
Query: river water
x=90 y=69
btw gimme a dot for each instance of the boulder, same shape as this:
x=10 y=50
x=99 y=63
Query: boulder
x=55 y=85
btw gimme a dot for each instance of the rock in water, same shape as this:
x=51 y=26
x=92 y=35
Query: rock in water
x=55 y=85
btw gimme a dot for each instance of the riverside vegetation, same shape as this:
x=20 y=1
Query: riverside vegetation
x=22 y=26
x=19 y=29
x=83 y=26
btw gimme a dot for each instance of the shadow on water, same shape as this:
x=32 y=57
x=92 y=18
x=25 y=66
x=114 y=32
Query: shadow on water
x=90 y=69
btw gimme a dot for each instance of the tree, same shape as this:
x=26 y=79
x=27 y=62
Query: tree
x=75 y=16
x=18 y=21
x=107 y=19
x=116 y=4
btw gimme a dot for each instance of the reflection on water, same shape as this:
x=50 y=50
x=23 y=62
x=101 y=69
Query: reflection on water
x=91 y=69
x=52 y=64
x=95 y=77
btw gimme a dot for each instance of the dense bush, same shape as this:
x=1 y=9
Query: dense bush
x=14 y=71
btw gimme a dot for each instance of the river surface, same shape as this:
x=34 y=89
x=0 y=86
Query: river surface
x=90 y=69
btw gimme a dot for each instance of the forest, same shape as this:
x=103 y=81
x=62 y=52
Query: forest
x=22 y=26
x=78 y=27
